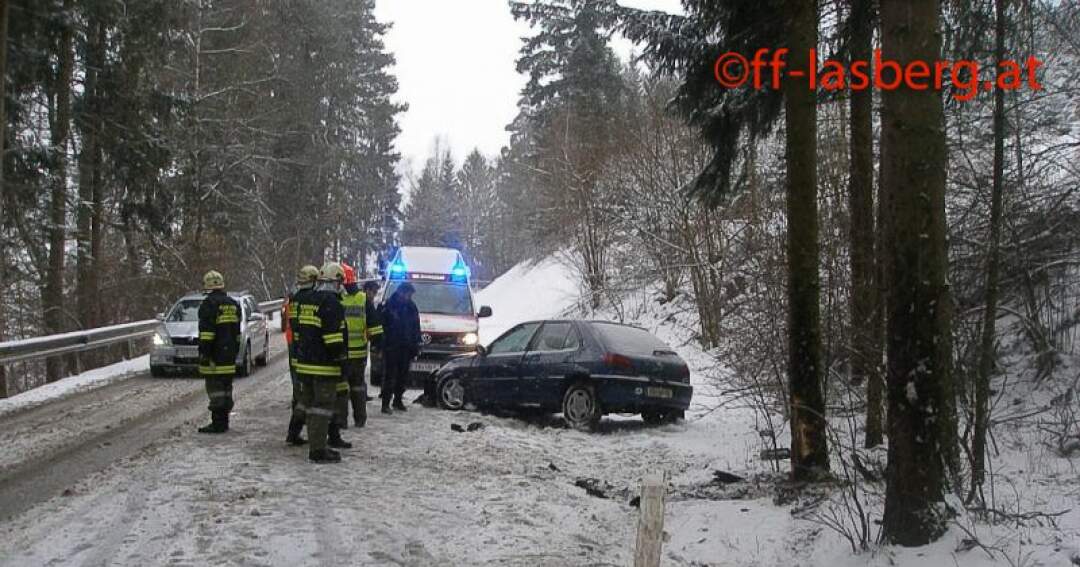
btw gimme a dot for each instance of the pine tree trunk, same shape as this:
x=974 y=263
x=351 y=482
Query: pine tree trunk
x=53 y=290
x=89 y=208
x=918 y=375
x=993 y=259
x=866 y=350
x=808 y=435
x=3 y=139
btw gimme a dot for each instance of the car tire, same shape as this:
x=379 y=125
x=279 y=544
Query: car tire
x=450 y=394
x=674 y=416
x=580 y=408
x=244 y=369
x=264 y=358
x=157 y=371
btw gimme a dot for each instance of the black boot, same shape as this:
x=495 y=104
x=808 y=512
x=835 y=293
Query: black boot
x=333 y=438
x=386 y=406
x=324 y=456
x=399 y=405
x=219 y=423
x=294 y=438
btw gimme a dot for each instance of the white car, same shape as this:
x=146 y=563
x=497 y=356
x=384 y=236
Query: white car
x=176 y=342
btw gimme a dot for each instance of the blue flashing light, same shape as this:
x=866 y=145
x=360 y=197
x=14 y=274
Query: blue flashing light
x=459 y=273
x=397 y=271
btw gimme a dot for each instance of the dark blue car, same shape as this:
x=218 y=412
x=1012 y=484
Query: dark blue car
x=584 y=369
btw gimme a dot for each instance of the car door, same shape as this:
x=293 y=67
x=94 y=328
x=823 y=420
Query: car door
x=548 y=361
x=258 y=329
x=496 y=382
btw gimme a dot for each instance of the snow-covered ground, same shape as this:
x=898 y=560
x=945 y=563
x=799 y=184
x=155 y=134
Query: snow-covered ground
x=80 y=383
x=415 y=492
x=528 y=291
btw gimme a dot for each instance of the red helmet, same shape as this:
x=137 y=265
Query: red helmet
x=350 y=274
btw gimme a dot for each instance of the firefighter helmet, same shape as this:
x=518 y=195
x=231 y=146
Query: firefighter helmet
x=350 y=273
x=213 y=280
x=331 y=272
x=308 y=274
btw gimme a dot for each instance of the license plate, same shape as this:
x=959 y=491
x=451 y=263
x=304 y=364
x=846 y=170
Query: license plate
x=187 y=352
x=425 y=367
x=658 y=392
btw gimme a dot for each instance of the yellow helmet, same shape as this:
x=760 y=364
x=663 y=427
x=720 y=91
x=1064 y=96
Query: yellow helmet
x=213 y=280
x=307 y=275
x=332 y=272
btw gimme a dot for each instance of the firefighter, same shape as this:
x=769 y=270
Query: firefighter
x=375 y=329
x=320 y=350
x=358 y=321
x=305 y=285
x=401 y=343
x=219 y=343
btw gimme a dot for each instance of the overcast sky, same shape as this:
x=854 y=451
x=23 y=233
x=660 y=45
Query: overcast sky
x=455 y=66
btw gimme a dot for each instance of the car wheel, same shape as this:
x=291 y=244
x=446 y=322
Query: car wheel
x=581 y=410
x=157 y=371
x=451 y=393
x=265 y=356
x=245 y=362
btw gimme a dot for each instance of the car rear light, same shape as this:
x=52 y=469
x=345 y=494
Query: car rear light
x=619 y=361
x=684 y=373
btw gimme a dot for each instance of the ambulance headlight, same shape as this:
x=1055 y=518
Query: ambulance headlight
x=470 y=339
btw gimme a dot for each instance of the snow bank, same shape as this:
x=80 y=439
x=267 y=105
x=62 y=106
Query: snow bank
x=86 y=381
x=529 y=291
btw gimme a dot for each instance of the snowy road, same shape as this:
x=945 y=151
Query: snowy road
x=50 y=446
x=413 y=492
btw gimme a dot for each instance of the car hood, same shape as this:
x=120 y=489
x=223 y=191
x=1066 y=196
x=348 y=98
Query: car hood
x=182 y=328
x=430 y=323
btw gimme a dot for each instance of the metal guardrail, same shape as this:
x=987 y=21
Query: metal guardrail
x=79 y=341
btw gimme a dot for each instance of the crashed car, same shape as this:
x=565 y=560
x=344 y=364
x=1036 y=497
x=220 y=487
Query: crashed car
x=583 y=369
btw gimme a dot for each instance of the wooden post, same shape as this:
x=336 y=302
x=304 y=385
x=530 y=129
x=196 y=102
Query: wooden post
x=650 y=536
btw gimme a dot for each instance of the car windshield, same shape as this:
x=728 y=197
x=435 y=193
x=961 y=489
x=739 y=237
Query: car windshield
x=439 y=298
x=630 y=340
x=184 y=311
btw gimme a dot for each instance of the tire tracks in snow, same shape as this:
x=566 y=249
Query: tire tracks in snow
x=52 y=446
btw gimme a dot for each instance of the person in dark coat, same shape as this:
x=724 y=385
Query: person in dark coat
x=400 y=343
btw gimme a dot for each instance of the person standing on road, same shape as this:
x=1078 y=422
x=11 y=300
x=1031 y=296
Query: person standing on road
x=401 y=343
x=358 y=328
x=320 y=350
x=219 y=343
x=305 y=285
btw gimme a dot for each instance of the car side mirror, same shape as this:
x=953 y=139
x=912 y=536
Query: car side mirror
x=481 y=350
x=485 y=311
x=160 y=316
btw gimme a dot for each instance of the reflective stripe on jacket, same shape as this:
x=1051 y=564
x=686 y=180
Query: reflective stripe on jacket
x=319 y=333
x=219 y=334
x=355 y=306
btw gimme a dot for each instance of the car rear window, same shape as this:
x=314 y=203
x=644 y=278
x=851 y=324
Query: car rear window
x=630 y=340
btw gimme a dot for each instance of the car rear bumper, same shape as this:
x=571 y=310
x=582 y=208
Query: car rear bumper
x=634 y=394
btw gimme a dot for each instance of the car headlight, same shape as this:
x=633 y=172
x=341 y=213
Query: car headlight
x=159 y=340
x=470 y=339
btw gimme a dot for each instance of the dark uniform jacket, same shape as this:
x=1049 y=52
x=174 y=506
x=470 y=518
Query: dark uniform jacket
x=219 y=334
x=401 y=325
x=319 y=336
x=293 y=323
